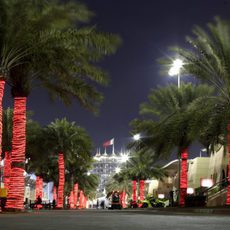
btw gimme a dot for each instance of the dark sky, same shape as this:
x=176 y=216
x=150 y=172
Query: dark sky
x=147 y=28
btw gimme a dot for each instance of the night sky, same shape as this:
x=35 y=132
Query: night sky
x=147 y=28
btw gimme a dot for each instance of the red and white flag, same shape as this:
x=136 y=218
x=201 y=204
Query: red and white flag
x=108 y=143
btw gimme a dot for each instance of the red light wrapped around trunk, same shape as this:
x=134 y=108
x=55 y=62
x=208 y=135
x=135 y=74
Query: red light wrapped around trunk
x=228 y=191
x=75 y=195
x=15 y=198
x=61 y=167
x=7 y=169
x=134 y=189
x=183 y=176
x=142 y=189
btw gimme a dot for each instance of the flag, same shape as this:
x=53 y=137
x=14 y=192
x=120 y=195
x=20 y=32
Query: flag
x=108 y=143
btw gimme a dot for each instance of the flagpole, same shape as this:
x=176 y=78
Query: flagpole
x=113 y=149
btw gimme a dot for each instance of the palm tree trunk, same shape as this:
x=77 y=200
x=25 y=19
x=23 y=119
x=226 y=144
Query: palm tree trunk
x=7 y=169
x=183 y=176
x=228 y=191
x=123 y=199
x=61 y=167
x=2 y=86
x=134 y=190
x=15 y=198
x=142 y=189
x=81 y=199
x=75 y=194
x=39 y=187
x=55 y=193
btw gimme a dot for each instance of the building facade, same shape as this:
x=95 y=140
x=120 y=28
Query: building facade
x=106 y=165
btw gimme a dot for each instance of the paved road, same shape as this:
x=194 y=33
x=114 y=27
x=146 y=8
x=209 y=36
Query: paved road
x=110 y=219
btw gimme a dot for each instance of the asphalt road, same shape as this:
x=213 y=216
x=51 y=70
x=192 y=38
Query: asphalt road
x=110 y=219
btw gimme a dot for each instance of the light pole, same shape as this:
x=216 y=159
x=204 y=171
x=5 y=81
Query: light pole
x=175 y=70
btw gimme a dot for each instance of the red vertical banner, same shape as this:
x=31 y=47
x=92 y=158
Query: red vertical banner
x=183 y=176
x=61 y=168
x=15 y=198
x=2 y=86
x=7 y=169
x=134 y=190
x=55 y=193
x=142 y=189
x=71 y=200
x=228 y=191
x=75 y=195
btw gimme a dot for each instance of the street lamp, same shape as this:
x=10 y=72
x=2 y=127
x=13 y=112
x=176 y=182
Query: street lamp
x=137 y=137
x=175 y=70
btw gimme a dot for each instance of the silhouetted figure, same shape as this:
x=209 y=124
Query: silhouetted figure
x=97 y=203
x=102 y=204
x=39 y=200
x=54 y=203
x=171 y=196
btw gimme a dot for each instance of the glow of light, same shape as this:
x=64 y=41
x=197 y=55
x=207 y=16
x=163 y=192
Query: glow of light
x=117 y=170
x=161 y=196
x=206 y=183
x=176 y=66
x=124 y=158
x=190 y=191
x=137 y=137
x=88 y=173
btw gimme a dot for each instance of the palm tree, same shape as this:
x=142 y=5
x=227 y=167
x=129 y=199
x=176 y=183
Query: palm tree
x=72 y=143
x=208 y=60
x=61 y=56
x=169 y=122
x=141 y=167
